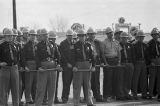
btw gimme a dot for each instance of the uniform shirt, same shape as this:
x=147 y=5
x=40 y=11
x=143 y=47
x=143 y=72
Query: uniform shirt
x=127 y=53
x=111 y=48
x=67 y=52
x=139 y=54
x=42 y=53
x=152 y=49
x=87 y=55
x=6 y=55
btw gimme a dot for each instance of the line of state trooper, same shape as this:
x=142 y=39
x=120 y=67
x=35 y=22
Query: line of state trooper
x=30 y=64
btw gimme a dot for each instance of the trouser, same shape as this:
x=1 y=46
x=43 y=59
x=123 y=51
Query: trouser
x=139 y=76
x=30 y=81
x=153 y=75
x=67 y=77
x=108 y=77
x=95 y=83
x=46 y=79
x=127 y=79
x=9 y=80
x=56 y=92
x=21 y=84
x=80 y=78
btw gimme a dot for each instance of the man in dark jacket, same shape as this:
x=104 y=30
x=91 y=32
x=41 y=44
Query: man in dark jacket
x=66 y=49
x=154 y=58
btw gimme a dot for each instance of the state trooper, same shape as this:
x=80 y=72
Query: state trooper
x=154 y=57
x=67 y=49
x=52 y=39
x=29 y=62
x=127 y=59
x=140 y=72
x=46 y=75
x=117 y=34
x=9 y=76
x=84 y=61
x=97 y=51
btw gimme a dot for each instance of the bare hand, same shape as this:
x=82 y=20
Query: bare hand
x=69 y=65
x=93 y=69
x=2 y=64
x=41 y=69
x=75 y=69
x=59 y=68
x=27 y=69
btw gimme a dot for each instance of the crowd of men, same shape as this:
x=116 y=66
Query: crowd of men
x=30 y=62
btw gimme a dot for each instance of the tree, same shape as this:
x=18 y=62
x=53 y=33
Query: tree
x=59 y=24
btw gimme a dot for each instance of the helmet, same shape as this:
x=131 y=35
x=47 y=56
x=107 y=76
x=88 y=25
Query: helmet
x=43 y=32
x=69 y=32
x=124 y=34
x=32 y=32
x=38 y=31
x=52 y=34
x=154 y=31
x=7 y=31
x=108 y=30
x=15 y=32
x=80 y=32
x=140 y=33
x=90 y=30
x=25 y=30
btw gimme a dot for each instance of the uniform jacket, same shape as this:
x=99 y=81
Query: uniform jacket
x=78 y=51
x=130 y=53
x=5 y=54
x=42 y=54
x=67 y=52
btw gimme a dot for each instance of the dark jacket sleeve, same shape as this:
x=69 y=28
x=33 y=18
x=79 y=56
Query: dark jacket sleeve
x=57 y=54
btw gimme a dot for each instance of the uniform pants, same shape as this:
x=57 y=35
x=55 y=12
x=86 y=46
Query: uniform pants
x=30 y=81
x=67 y=77
x=127 y=79
x=153 y=75
x=46 y=79
x=108 y=78
x=95 y=83
x=139 y=76
x=9 y=79
x=80 y=78
x=46 y=93
x=21 y=84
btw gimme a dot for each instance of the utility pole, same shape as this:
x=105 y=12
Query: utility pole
x=14 y=14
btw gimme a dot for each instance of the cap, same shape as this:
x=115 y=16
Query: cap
x=140 y=33
x=124 y=35
x=69 y=32
x=118 y=31
x=43 y=32
x=15 y=32
x=108 y=30
x=52 y=34
x=25 y=30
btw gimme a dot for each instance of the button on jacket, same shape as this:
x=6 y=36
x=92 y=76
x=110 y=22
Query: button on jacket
x=79 y=57
x=6 y=55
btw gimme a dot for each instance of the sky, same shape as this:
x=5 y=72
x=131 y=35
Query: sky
x=97 y=14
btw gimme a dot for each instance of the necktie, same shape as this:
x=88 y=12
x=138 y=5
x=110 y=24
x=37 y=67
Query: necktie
x=33 y=47
x=125 y=52
x=142 y=51
x=83 y=51
x=48 y=48
x=157 y=49
x=11 y=52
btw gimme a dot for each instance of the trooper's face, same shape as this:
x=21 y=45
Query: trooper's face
x=91 y=36
x=31 y=37
x=124 y=39
x=81 y=38
x=140 y=38
x=109 y=35
x=9 y=38
x=155 y=36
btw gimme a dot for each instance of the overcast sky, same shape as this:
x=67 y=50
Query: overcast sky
x=95 y=13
